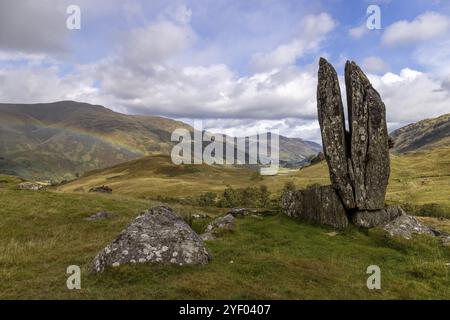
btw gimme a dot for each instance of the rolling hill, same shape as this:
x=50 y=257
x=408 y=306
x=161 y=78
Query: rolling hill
x=63 y=140
x=425 y=134
x=417 y=178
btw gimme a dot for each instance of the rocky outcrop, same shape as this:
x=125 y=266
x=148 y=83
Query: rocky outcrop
x=320 y=205
x=317 y=159
x=241 y=212
x=158 y=235
x=332 y=126
x=369 y=140
x=34 y=186
x=225 y=223
x=371 y=219
x=405 y=226
x=358 y=161
x=101 y=215
x=102 y=189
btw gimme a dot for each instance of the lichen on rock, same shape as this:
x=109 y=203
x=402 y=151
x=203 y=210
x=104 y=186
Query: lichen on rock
x=158 y=235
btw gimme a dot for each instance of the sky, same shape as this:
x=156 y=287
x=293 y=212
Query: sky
x=241 y=67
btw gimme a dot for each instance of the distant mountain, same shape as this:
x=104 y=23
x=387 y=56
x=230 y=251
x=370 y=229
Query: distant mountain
x=425 y=134
x=295 y=152
x=65 y=139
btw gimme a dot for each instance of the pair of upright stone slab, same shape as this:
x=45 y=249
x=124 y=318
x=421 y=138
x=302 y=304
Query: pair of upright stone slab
x=358 y=160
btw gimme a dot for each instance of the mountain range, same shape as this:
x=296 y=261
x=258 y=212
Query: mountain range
x=65 y=139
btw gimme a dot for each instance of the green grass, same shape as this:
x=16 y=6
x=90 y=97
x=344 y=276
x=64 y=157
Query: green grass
x=417 y=179
x=41 y=233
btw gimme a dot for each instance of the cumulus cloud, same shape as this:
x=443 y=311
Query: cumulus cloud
x=375 y=65
x=358 y=32
x=313 y=31
x=213 y=91
x=156 y=43
x=411 y=95
x=427 y=26
x=33 y=27
x=150 y=74
x=43 y=85
x=291 y=127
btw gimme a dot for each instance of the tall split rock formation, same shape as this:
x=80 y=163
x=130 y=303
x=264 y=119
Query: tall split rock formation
x=358 y=159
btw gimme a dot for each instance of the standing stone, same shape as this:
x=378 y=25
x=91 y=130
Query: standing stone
x=332 y=126
x=320 y=205
x=369 y=147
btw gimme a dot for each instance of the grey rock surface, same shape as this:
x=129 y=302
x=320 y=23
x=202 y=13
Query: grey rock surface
x=222 y=223
x=371 y=219
x=34 y=186
x=332 y=126
x=369 y=140
x=99 y=216
x=320 y=205
x=101 y=189
x=158 y=235
x=242 y=212
x=405 y=226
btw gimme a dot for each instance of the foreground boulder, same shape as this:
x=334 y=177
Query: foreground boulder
x=225 y=223
x=158 y=235
x=320 y=205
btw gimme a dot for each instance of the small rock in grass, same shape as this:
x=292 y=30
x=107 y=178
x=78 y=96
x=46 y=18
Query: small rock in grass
x=99 y=216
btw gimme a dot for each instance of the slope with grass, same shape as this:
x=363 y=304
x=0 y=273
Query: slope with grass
x=42 y=233
x=423 y=135
x=417 y=178
x=61 y=140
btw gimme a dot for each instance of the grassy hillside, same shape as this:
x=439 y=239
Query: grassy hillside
x=271 y=258
x=64 y=139
x=60 y=140
x=416 y=178
x=425 y=134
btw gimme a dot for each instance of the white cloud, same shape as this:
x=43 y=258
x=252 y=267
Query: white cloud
x=291 y=127
x=312 y=33
x=33 y=27
x=375 y=65
x=213 y=91
x=147 y=76
x=156 y=43
x=425 y=27
x=358 y=32
x=43 y=85
x=411 y=96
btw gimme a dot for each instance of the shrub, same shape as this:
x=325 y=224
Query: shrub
x=207 y=199
x=289 y=186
